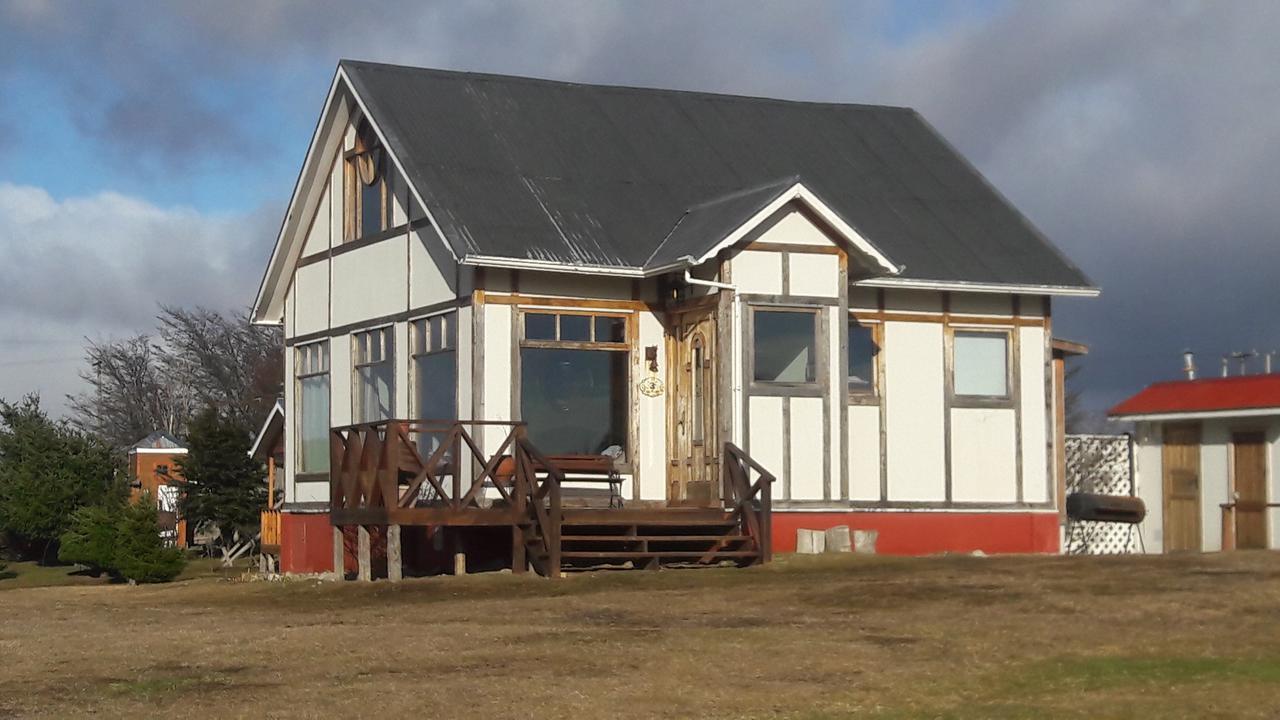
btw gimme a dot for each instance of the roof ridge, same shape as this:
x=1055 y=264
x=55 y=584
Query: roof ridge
x=480 y=75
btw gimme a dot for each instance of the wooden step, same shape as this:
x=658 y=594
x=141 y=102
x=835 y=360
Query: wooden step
x=654 y=538
x=629 y=554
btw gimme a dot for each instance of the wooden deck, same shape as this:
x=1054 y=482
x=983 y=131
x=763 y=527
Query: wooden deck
x=404 y=473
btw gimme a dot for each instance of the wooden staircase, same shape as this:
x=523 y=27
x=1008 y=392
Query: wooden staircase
x=653 y=538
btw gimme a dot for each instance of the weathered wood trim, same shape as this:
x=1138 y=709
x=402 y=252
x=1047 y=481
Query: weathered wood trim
x=881 y=387
x=948 y=393
x=842 y=356
x=576 y=303
x=380 y=321
x=956 y=319
x=784 y=301
x=351 y=245
x=786 y=448
x=1015 y=393
x=786 y=273
x=1053 y=425
x=796 y=248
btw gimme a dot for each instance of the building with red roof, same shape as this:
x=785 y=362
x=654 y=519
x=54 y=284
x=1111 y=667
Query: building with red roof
x=1207 y=454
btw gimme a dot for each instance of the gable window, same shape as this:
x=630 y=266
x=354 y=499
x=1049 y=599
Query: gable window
x=863 y=349
x=981 y=363
x=784 y=346
x=435 y=371
x=369 y=196
x=311 y=368
x=574 y=382
x=374 y=386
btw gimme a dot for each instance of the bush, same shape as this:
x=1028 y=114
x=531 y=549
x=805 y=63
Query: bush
x=140 y=554
x=91 y=540
x=123 y=540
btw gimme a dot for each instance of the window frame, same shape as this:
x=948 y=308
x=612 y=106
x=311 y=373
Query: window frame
x=388 y=333
x=299 y=374
x=626 y=465
x=451 y=321
x=870 y=394
x=366 y=142
x=982 y=401
x=815 y=387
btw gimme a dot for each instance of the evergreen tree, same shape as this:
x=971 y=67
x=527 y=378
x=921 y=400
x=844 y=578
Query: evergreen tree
x=224 y=486
x=140 y=554
x=91 y=539
x=48 y=470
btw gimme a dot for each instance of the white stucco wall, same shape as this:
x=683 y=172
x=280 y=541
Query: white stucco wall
x=1035 y=415
x=914 y=397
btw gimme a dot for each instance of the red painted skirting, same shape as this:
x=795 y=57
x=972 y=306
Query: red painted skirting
x=306 y=543
x=925 y=533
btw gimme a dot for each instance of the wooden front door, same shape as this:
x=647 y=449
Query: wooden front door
x=1181 y=461
x=692 y=437
x=1249 y=482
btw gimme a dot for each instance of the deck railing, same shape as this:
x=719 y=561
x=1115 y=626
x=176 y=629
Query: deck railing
x=270 y=527
x=379 y=475
x=751 y=502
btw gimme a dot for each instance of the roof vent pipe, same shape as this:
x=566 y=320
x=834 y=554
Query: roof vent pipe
x=1189 y=364
x=1266 y=363
x=1226 y=359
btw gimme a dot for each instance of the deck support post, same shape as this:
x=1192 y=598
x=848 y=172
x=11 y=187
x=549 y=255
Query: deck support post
x=339 y=553
x=363 y=559
x=395 y=564
x=519 y=563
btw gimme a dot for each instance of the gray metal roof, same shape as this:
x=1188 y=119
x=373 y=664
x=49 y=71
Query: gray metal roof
x=599 y=175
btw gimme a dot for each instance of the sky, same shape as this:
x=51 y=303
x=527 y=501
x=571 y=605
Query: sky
x=147 y=151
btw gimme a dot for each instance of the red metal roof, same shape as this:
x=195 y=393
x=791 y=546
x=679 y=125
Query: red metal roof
x=1244 y=392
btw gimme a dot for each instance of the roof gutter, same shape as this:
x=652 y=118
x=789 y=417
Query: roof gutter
x=1195 y=415
x=961 y=286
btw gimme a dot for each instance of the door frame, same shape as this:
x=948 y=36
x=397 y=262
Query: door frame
x=1166 y=484
x=711 y=424
x=1261 y=434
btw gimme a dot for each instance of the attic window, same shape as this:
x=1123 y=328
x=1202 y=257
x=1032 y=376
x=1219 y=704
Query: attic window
x=368 y=189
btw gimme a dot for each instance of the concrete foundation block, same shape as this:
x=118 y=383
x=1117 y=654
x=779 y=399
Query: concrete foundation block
x=837 y=539
x=864 y=541
x=810 y=542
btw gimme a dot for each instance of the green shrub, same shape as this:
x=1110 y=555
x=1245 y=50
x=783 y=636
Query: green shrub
x=91 y=539
x=140 y=554
x=123 y=540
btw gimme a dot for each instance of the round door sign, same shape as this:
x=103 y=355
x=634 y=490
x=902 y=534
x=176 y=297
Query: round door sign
x=651 y=387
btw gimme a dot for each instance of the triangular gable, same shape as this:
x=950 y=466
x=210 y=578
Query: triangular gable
x=706 y=229
x=342 y=103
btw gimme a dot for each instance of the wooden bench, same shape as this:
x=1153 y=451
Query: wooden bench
x=583 y=468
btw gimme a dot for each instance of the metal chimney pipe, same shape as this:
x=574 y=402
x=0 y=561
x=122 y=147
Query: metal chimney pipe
x=1266 y=363
x=1226 y=359
x=1189 y=364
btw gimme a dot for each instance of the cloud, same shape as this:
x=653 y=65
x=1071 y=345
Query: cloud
x=1140 y=137
x=98 y=266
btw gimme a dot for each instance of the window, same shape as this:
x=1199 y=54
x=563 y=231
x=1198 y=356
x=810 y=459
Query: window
x=369 y=196
x=981 y=364
x=784 y=346
x=863 y=350
x=374 y=370
x=574 y=382
x=435 y=372
x=311 y=368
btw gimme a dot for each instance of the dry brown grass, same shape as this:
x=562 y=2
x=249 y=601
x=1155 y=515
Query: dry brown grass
x=820 y=637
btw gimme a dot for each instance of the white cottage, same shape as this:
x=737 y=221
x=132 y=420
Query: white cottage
x=1206 y=453
x=677 y=282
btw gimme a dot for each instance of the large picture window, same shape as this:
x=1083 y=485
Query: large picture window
x=435 y=371
x=863 y=349
x=574 y=382
x=374 y=376
x=784 y=346
x=311 y=368
x=981 y=363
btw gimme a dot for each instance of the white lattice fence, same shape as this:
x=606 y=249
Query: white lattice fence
x=1100 y=464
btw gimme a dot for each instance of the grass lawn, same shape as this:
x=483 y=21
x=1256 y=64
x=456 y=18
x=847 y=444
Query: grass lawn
x=825 y=637
x=32 y=575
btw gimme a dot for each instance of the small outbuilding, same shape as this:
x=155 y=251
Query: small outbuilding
x=1207 y=453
